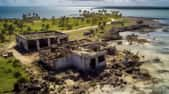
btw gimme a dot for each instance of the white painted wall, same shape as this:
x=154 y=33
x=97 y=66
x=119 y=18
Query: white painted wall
x=63 y=62
x=81 y=62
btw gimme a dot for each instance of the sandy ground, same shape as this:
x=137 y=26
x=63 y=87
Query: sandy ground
x=81 y=29
x=25 y=59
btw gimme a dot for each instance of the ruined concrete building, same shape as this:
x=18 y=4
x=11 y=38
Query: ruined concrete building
x=83 y=55
x=58 y=53
x=36 y=40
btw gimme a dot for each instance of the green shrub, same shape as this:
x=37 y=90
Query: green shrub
x=17 y=74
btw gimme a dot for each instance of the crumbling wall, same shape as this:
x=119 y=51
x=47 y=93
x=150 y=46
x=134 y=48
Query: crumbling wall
x=54 y=40
x=80 y=62
x=22 y=43
x=63 y=62
x=83 y=62
x=75 y=55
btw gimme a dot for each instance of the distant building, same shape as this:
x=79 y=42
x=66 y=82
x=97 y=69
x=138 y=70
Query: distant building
x=83 y=56
x=37 y=40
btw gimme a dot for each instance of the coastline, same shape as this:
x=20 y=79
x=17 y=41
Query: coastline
x=133 y=7
x=144 y=49
x=157 y=69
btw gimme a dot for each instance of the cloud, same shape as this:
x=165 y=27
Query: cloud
x=83 y=2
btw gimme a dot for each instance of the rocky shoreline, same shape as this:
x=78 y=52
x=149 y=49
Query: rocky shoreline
x=124 y=70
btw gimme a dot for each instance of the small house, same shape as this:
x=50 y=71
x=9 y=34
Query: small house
x=35 y=41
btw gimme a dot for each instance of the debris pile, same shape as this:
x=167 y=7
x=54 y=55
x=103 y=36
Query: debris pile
x=108 y=36
x=7 y=54
x=32 y=87
x=74 y=82
x=134 y=38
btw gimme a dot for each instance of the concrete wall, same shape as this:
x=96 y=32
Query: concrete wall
x=62 y=63
x=22 y=42
x=81 y=62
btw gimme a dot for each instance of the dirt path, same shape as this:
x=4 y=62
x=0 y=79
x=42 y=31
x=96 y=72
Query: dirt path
x=25 y=59
x=83 y=28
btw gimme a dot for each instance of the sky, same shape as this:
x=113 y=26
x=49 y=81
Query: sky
x=84 y=2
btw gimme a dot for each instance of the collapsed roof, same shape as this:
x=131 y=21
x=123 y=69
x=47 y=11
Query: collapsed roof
x=80 y=47
x=42 y=35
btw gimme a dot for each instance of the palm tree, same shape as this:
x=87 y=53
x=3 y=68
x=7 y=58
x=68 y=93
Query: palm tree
x=20 y=25
x=5 y=26
x=80 y=11
x=92 y=32
x=42 y=27
x=47 y=27
x=104 y=23
x=34 y=14
x=104 y=11
x=11 y=29
x=29 y=29
x=24 y=16
x=99 y=11
x=62 y=21
x=53 y=20
x=99 y=24
x=2 y=37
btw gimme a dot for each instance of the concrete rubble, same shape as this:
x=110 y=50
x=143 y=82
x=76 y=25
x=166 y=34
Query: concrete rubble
x=73 y=82
x=84 y=65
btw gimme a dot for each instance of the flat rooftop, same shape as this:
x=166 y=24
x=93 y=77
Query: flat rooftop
x=42 y=35
x=81 y=47
x=91 y=47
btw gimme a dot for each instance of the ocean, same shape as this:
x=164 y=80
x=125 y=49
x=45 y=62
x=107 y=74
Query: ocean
x=48 y=12
x=44 y=12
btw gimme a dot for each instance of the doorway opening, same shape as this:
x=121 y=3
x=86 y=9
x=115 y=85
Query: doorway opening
x=93 y=63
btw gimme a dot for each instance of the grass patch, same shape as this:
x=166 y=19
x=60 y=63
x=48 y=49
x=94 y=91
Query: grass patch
x=77 y=35
x=10 y=72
